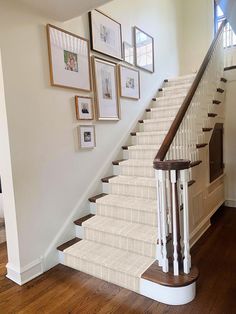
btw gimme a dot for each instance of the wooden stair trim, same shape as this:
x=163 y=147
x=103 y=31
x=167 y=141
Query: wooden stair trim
x=154 y=99
x=160 y=90
x=106 y=179
x=207 y=129
x=140 y=121
x=220 y=90
x=117 y=162
x=188 y=99
x=148 y=110
x=223 y=80
x=233 y=67
x=166 y=81
x=216 y=102
x=93 y=199
x=195 y=163
x=79 y=221
x=133 y=133
x=125 y=147
x=212 y=115
x=190 y=183
x=67 y=244
x=201 y=145
x=155 y=274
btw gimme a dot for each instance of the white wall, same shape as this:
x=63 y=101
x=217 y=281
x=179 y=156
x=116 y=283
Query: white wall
x=229 y=136
x=197 y=33
x=52 y=178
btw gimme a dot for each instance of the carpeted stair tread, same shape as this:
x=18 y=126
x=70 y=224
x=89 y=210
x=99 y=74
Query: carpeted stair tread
x=151 y=133
x=122 y=228
x=108 y=263
x=182 y=77
x=160 y=108
x=128 y=202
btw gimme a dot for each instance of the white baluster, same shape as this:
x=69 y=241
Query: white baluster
x=173 y=176
x=187 y=257
x=163 y=207
x=159 y=235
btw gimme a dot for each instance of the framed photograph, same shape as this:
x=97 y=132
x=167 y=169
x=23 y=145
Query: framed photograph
x=87 y=136
x=106 y=89
x=144 y=50
x=69 y=59
x=106 y=34
x=84 y=108
x=129 y=82
x=128 y=53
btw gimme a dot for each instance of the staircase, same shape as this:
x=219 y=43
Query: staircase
x=137 y=233
x=120 y=241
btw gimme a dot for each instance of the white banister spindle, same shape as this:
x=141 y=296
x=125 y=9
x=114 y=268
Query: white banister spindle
x=187 y=257
x=163 y=208
x=159 y=235
x=173 y=176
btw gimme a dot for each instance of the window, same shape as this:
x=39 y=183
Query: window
x=229 y=35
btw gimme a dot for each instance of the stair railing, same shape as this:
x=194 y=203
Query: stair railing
x=172 y=161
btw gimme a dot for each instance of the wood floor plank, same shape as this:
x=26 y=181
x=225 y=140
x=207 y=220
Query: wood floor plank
x=64 y=290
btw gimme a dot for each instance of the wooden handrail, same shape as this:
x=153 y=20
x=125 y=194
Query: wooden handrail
x=187 y=101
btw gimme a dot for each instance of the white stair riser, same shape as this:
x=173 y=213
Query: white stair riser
x=147 y=139
x=121 y=242
x=155 y=126
x=170 y=92
x=104 y=273
x=178 y=82
x=130 y=190
x=162 y=113
x=140 y=154
x=167 y=102
x=137 y=171
x=127 y=214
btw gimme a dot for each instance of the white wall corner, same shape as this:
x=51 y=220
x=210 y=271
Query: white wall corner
x=24 y=274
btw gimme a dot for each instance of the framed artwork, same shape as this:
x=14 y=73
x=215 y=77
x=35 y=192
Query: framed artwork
x=129 y=82
x=69 y=59
x=87 y=136
x=128 y=53
x=106 y=34
x=84 y=108
x=106 y=89
x=144 y=50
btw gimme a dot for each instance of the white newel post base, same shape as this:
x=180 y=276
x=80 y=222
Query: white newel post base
x=168 y=295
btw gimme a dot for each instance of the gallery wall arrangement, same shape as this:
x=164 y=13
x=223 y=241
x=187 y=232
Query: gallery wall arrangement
x=72 y=66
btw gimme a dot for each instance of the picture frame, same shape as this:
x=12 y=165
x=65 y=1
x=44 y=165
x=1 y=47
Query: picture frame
x=69 y=59
x=129 y=79
x=105 y=34
x=144 y=50
x=128 y=53
x=84 y=108
x=87 y=137
x=106 y=89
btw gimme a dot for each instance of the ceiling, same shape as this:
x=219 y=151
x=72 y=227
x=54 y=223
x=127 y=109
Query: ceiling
x=229 y=9
x=63 y=10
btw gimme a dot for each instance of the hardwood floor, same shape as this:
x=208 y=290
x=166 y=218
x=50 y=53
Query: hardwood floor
x=64 y=290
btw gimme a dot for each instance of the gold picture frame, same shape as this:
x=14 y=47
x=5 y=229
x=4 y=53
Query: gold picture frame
x=69 y=59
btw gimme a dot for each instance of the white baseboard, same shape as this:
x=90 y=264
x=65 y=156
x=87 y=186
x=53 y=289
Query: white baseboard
x=26 y=273
x=230 y=203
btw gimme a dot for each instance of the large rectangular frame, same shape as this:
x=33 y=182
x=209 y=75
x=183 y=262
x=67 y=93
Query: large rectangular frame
x=52 y=74
x=93 y=46
x=96 y=91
